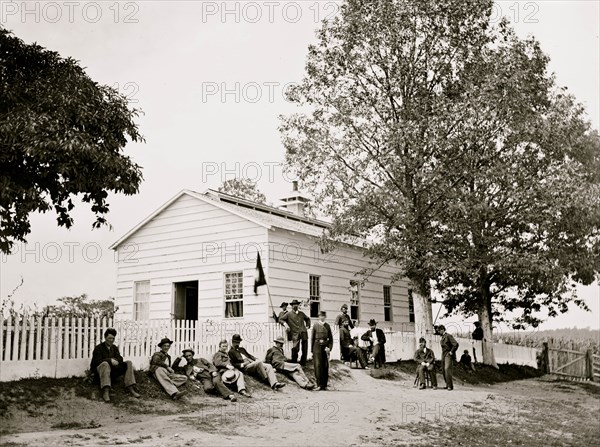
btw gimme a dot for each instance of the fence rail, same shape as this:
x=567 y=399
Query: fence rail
x=62 y=347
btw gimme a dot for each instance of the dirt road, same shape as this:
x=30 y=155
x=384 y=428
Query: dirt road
x=359 y=411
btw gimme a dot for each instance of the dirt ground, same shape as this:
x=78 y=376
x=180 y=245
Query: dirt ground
x=362 y=408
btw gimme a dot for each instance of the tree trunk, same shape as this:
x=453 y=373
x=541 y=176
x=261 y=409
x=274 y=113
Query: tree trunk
x=423 y=315
x=486 y=324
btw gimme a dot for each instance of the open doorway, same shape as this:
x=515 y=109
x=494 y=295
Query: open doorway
x=185 y=300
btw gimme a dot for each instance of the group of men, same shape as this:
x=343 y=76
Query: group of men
x=225 y=374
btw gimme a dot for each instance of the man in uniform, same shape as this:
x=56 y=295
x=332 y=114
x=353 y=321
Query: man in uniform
x=449 y=347
x=322 y=342
x=229 y=374
x=250 y=365
x=160 y=367
x=107 y=364
x=203 y=371
x=277 y=359
x=296 y=325
x=349 y=351
x=283 y=307
x=425 y=360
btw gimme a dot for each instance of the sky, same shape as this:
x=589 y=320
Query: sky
x=210 y=78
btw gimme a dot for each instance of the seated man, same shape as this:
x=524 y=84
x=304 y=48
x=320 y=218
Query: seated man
x=229 y=375
x=248 y=364
x=160 y=368
x=205 y=372
x=349 y=351
x=107 y=364
x=465 y=360
x=277 y=359
x=377 y=339
x=425 y=359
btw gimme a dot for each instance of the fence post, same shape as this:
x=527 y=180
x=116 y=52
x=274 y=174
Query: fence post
x=589 y=365
x=545 y=358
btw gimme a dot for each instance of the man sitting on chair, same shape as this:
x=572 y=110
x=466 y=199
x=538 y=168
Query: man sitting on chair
x=377 y=339
x=425 y=360
x=349 y=351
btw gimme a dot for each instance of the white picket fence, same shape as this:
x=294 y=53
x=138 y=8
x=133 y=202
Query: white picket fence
x=62 y=347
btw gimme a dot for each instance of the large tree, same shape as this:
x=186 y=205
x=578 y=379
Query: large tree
x=61 y=136
x=380 y=86
x=443 y=139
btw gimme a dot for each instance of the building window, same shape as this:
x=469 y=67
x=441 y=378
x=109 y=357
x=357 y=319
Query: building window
x=387 y=303
x=141 y=300
x=234 y=295
x=411 y=306
x=354 y=300
x=315 y=295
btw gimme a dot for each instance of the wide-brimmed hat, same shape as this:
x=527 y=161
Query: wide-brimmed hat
x=279 y=339
x=236 y=337
x=294 y=302
x=165 y=340
x=284 y=305
x=372 y=322
x=228 y=376
x=188 y=350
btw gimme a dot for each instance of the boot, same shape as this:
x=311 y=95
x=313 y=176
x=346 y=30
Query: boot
x=178 y=395
x=133 y=392
x=106 y=394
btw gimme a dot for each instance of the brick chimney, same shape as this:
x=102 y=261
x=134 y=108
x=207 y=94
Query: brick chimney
x=295 y=201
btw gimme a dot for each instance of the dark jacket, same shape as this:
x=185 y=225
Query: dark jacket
x=237 y=356
x=207 y=368
x=103 y=353
x=378 y=334
x=276 y=357
x=343 y=317
x=159 y=360
x=477 y=334
x=221 y=360
x=321 y=336
x=425 y=355
x=345 y=338
x=449 y=344
x=298 y=323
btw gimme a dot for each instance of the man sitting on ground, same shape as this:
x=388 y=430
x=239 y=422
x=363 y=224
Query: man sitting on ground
x=107 y=364
x=229 y=375
x=248 y=364
x=425 y=360
x=276 y=357
x=465 y=360
x=204 y=372
x=160 y=367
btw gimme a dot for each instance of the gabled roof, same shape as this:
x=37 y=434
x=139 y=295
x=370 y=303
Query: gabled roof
x=263 y=215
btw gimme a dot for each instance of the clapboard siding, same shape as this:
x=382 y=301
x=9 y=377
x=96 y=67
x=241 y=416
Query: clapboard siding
x=289 y=278
x=191 y=240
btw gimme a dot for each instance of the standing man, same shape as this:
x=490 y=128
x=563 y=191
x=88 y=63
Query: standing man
x=322 y=342
x=449 y=347
x=283 y=307
x=205 y=372
x=229 y=374
x=339 y=320
x=377 y=339
x=160 y=367
x=276 y=358
x=425 y=360
x=296 y=325
x=477 y=335
x=107 y=364
x=250 y=365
